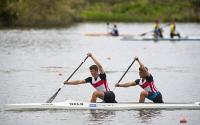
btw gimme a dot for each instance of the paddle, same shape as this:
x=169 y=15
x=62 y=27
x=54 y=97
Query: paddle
x=55 y=94
x=107 y=26
x=143 y=34
x=125 y=73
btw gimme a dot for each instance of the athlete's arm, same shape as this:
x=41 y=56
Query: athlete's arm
x=142 y=67
x=128 y=84
x=97 y=63
x=75 y=82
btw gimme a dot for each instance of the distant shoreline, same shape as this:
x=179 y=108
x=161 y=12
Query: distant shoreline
x=74 y=24
x=58 y=14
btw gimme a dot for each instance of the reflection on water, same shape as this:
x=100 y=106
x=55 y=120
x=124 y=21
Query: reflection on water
x=146 y=116
x=100 y=116
x=106 y=117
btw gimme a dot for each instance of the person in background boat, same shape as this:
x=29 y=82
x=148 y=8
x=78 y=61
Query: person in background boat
x=98 y=81
x=158 y=31
x=173 y=30
x=146 y=81
x=114 y=31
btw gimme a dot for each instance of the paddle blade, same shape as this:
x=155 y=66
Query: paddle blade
x=53 y=97
x=143 y=34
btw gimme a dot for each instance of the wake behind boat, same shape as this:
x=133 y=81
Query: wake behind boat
x=80 y=105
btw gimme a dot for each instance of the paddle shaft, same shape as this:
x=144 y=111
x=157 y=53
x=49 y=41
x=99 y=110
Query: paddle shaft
x=107 y=26
x=55 y=94
x=124 y=73
x=143 y=34
x=77 y=68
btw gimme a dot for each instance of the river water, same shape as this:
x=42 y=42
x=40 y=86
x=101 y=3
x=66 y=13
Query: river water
x=35 y=62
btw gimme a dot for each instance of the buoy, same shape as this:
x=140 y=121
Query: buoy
x=60 y=74
x=109 y=58
x=183 y=120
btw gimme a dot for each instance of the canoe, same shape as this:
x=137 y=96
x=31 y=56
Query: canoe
x=160 y=39
x=106 y=34
x=98 y=34
x=80 y=105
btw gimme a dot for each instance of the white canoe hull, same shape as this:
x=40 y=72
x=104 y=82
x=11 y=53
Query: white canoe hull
x=160 y=39
x=76 y=105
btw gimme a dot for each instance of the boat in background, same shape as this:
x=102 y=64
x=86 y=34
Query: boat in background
x=80 y=105
x=98 y=34
x=106 y=34
x=131 y=38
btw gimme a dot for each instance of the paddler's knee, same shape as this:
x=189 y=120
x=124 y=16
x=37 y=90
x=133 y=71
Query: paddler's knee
x=98 y=94
x=144 y=93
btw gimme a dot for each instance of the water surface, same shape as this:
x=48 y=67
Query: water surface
x=31 y=61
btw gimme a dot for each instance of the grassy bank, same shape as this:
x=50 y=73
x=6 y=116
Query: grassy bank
x=54 y=13
x=143 y=11
x=39 y=13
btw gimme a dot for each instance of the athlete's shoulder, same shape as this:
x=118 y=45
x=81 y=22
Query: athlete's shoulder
x=137 y=81
x=88 y=80
x=102 y=75
x=149 y=78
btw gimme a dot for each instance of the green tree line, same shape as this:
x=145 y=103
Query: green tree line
x=53 y=13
